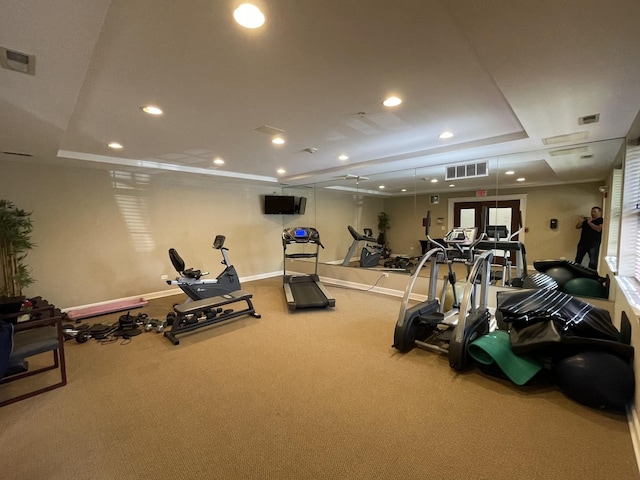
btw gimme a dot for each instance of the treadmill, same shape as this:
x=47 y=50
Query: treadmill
x=304 y=291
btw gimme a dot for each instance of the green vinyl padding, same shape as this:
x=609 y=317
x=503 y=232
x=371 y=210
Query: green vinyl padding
x=495 y=347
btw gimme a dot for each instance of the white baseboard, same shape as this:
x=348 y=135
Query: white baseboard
x=634 y=430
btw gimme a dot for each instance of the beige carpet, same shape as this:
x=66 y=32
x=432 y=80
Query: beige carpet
x=312 y=394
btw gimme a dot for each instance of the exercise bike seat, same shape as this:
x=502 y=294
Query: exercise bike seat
x=178 y=264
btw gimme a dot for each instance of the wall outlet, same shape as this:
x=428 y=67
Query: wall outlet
x=164 y=277
x=385 y=275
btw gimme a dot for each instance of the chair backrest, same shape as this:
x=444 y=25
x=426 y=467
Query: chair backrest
x=176 y=260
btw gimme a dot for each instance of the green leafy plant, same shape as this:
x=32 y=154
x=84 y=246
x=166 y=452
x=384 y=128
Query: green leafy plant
x=383 y=226
x=15 y=243
x=383 y=222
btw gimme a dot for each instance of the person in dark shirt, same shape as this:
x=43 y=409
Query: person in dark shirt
x=590 y=237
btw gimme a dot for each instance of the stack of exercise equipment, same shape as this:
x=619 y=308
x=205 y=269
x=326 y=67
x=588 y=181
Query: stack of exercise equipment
x=545 y=329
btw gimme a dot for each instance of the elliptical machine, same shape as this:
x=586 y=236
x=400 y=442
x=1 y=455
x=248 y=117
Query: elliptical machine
x=198 y=288
x=425 y=324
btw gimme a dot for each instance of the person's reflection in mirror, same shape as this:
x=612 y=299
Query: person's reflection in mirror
x=590 y=237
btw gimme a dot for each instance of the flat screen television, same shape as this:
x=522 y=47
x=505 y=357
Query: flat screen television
x=279 y=205
x=284 y=205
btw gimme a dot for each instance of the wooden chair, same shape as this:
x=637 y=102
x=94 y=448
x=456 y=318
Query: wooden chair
x=30 y=338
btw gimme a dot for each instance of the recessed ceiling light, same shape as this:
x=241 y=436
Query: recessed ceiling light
x=218 y=161
x=115 y=145
x=451 y=185
x=392 y=102
x=509 y=172
x=277 y=140
x=281 y=171
x=249 y=16
x=343 y=157
x=381 y=187
x=521 y=179
x=445 y=135
x=403 y=190
x=434 y=180
x=151 y=110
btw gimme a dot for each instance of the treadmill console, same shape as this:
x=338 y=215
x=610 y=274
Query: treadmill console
x=300 y=235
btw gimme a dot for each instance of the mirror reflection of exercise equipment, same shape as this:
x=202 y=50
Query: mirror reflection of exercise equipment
x=371 y=252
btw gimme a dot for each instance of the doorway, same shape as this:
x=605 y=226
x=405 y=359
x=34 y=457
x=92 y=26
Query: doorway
x=500 y=212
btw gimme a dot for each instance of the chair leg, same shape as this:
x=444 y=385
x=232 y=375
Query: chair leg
x=58 y=363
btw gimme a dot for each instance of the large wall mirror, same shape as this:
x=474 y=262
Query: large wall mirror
x=537 y=194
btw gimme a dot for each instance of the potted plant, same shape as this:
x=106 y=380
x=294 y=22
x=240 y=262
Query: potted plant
x=15 y=243
x=383 y=226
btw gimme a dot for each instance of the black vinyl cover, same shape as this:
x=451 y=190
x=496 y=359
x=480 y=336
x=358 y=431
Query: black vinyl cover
x=575 y=268
x=545 y=318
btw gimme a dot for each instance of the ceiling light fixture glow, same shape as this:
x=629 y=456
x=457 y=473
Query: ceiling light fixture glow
x=434 y=180
x=451 y=185
x=392 y=102
x=445 y=135
x=343 y=157
x=277 y=140
x=521 y=179
x=509 y=172
x=381 y=187
x=218 y=161
x=115 y=146
x=151 y=110
x=249 y=16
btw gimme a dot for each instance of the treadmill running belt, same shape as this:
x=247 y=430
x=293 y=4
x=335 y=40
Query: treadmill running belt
x=308 y=294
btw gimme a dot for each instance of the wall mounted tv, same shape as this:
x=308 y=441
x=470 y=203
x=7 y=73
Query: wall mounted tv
x=284 y=205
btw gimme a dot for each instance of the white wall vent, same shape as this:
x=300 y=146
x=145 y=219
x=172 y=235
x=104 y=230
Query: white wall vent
x=467 y=170
x=17 y=61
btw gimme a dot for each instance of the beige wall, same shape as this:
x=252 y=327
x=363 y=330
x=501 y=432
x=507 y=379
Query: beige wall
x=100 y=239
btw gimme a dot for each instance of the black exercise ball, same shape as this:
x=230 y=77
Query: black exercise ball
x=596 y=379
x=561 y=275
x=585 y=287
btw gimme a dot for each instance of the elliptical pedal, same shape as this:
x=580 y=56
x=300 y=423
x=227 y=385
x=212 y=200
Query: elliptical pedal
x=445 y=335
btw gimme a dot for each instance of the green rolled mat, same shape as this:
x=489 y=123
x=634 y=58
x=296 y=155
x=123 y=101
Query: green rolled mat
x=496 y=347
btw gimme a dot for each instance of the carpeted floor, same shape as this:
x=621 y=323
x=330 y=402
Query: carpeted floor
x=312 y=394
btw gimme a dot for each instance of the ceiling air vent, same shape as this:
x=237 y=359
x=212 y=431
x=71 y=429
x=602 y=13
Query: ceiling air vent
x=17 y=61
x=467 y=170
x=269 y=130
x=595 y=118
